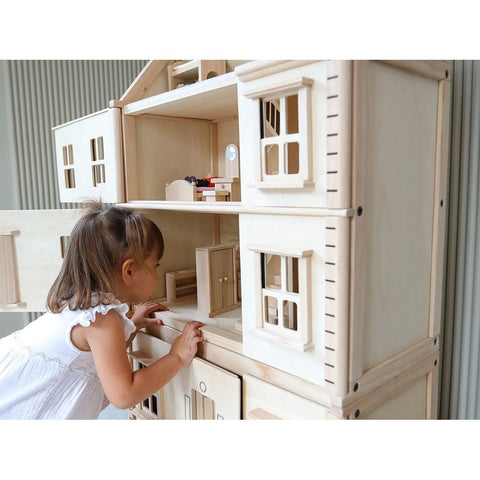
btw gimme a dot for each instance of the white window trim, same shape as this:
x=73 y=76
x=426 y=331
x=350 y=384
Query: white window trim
x=301 y=87
x=301 y=338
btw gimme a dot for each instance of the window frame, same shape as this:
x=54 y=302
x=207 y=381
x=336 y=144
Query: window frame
x=280 y=91
x=299 y=339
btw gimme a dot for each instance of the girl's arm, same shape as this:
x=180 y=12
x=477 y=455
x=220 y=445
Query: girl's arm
x=123 y=387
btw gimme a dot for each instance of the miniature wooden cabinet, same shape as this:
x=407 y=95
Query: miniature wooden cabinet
x=340 y=221
x=216 y=278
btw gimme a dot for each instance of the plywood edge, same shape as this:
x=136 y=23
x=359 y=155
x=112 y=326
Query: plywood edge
x=337 y=265
x=236 y=208
x=211 y=334
x=433 y=394
x=436 y=69
x=358 y=234
x=439 y=233
x=85 y=117
x=130 y=162
x=339 y=133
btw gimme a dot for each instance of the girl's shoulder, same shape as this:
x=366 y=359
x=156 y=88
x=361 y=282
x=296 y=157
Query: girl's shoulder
x=88 y=316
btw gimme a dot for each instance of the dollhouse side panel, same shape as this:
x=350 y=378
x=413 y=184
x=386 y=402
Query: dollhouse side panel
x=297 y=349
x=409 y=403
x=395 y=190
x=262 y=400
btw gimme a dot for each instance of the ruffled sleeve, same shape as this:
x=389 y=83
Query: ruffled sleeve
x=86 y=317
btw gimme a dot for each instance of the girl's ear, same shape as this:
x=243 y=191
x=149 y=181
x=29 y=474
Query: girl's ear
x=128 y=270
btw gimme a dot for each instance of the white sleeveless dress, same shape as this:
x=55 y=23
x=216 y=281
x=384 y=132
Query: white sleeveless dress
x=44 y=376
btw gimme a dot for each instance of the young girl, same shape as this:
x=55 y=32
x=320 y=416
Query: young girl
x=72 y=361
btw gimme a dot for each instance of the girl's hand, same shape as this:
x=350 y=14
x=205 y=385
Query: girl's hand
x=185 y=345
x=143 y=315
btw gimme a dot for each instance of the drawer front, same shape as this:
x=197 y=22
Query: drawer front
x=200 y=391
x=263 y=401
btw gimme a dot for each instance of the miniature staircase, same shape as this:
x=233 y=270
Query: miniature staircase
x=271 y=114
x=271 y=121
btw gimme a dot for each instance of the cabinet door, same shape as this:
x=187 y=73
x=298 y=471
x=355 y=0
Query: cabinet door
x=201 y=391
x=216 y=279
x=222 y=279
x=32 y=243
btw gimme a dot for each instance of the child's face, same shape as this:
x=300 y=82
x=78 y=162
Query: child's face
x=145 y=279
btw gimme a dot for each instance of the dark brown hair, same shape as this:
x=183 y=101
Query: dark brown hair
x=100 y=242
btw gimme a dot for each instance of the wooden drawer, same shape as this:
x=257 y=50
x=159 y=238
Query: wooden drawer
x=201 y=391
x=263 y=401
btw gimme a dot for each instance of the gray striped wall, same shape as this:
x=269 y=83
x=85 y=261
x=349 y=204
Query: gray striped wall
x=460 y=390
x=36 y=95
x=48 y=93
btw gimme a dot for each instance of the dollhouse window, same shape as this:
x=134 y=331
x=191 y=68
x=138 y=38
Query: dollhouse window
x=98 y=174
x=69 y=171
x=150 y=405
x=284 y=134
x=96 y=148
x=69 y=178
x=284 y=297
x=97 y=154
x=67 y=151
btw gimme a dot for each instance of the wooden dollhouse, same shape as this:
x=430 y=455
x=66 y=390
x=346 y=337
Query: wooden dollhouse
x=315 y=259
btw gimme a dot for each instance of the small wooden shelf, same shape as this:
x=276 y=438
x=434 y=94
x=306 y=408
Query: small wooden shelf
x=181 y=285
x=185 y=68
x=212 y=99
x=183 y=73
